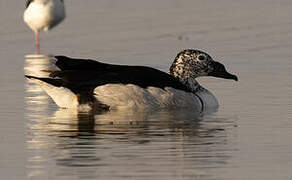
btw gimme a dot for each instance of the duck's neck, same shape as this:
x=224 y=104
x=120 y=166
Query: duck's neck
x=191 y=83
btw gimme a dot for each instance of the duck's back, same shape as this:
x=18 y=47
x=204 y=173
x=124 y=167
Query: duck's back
x=122 y=86
x=77 y=72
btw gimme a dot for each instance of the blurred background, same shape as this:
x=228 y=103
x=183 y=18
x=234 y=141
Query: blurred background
x=248 y=138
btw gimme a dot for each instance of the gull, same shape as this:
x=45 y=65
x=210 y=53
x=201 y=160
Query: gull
x=43 y=15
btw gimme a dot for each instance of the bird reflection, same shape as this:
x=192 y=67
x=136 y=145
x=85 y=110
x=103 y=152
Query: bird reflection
x=36 y=63
x=97 y=140
x=35 y=98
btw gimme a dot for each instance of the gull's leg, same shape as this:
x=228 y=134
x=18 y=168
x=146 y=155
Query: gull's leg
x=37 y=42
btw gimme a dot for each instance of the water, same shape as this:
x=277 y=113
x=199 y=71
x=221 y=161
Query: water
x=248 y=138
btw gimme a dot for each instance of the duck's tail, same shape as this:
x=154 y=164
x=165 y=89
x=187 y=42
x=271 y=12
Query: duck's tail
x=61 y=95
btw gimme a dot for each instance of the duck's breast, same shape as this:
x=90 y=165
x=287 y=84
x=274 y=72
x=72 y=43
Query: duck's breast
x=209 y=100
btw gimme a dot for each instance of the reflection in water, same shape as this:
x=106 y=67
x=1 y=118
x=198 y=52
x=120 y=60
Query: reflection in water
x=34 y=65
x=86 y=145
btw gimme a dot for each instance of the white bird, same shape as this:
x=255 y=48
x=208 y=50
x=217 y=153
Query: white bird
x=43 y=15
x=106 y=86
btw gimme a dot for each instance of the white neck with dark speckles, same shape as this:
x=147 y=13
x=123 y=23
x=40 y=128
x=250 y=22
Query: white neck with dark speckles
x=191 y=83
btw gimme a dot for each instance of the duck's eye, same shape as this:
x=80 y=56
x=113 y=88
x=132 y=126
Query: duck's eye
x=202 y=57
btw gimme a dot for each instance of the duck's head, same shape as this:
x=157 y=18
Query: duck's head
x=192 y=63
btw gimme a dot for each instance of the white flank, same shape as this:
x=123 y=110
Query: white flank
x=63 y=97
x=132 y=97
x=119 y=96
x=44 y=14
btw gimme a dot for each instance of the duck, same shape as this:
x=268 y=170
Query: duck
x=43 y=15
x=97 y=85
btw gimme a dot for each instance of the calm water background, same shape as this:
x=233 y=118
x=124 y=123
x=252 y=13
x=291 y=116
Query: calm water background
x=248 y=138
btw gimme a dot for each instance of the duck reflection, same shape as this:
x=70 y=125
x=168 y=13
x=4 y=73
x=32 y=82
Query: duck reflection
x=34 y=65
x=73 y=139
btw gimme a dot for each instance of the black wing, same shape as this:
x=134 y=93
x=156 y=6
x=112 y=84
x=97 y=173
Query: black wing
x=54 y=82
x=79 y=74
x=66 y=63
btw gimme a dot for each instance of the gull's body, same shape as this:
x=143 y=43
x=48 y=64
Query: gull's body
x=43 y=15
x=106 y=86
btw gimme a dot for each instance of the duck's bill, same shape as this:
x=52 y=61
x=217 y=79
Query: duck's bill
x=224 y=75
x=220 y=72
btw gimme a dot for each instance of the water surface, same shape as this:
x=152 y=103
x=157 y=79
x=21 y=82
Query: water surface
x=249 y=137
